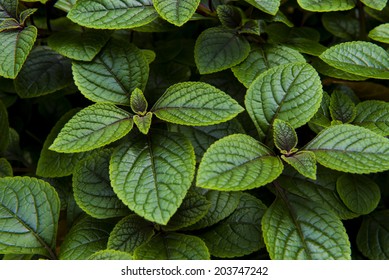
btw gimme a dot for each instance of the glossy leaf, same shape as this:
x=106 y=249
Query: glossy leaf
x=285 y=137
x=351 y=149
x=195 y=103
x=237 y=162
x=374 y=115
x=29 y=212
x=360 y=58
x=290 y=92
x=143 y=123
x=176 y=12
x=173 y=246
x=304 y=162
x=105 y=14
x=270 y=7
x=342 y=108
x=93 y=127
x=302 y=229
x=218 y=49
x=326 y=5
x=110 y=255
x=375 y=4
x=152 y=175
x=380 y=33
x=4 y=127
x=5 y=168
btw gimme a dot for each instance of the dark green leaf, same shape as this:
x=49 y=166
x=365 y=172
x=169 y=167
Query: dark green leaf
x=230 y=16
x=304 y=162
x=342 y=108
x=374 y=115
x=285 y=137
x=138 y=102
x=267 y=6
x=5 y=168
x=4 y=127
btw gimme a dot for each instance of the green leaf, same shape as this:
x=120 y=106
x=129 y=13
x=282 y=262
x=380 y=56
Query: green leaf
x=219 y=48
x=382 y=15
x=173 y=246
x=375 y=4
x=304 y=162
x=270 y=7
x=93 y=127
x=230 y=16
x=374 y=115
x=290 y=92
x=285 y=137
x=143 y=123
x=360 y=58
x=110 y=255
x=105 y=14
x=29 y=212
x=79 y=45
x=152 y=175
x=326 y=5
x=195 y=103
x=44 y=72
x=15 y=46
x=240 y=234
x=92 y=187
x=86 y=237
x=325 y=69
x=237 y=162
x=380 y=33
x=350 y=148
x=342 y=108
x=372 y=238
x=9 y=24
x=138 y=102
x=262 y=59
x=65 y=5
x=305 y=45
x=53 y=164
x=113 y=74
x=302 y=229
x=129 y=233
x=359 y=193
x=4 y=127
x=341 y=25
x=5 y=168
x=24 y=15
x=176 y=12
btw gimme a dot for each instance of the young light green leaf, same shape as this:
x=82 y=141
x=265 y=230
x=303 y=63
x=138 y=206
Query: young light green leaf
x=219 y=48
x=262 y=59
x=380 y=33
x=302 y=229
x=290 y=92
x=237 y=162
x=29 y=212
x=86 y=237
x=270 y=7
x=342 y=108
x=360 y=58
x=359 y=193
x=340 y=25
x=93 y=127
x=110 y=255
x=4 y=127
x=350 y=148
x=143 y=123
x=5 y=168
x=173 y=246
x=372 y=238
x=195 y=103
x=374 y=115
x=285 y=137
x=105 y=14
x=45 y=71
x=240 y=234
x=375 y=4
x=326 y=5
x=113 y=74
x=92 y=187
x=230 y=16
x=15 y=46
x=152 y=175
x=79 y=45
x=304 y=162
x=129 y=233
x=176 y=12
x=138 y=102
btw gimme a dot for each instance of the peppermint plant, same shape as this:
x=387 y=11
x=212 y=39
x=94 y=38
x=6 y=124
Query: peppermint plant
x=166 y=129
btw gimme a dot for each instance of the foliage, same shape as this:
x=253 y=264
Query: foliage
x=156 y=129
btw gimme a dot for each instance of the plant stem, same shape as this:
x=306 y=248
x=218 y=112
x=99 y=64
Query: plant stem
x=362 y=21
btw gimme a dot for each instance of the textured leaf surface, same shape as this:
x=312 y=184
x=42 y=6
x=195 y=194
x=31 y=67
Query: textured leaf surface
x=302 y=229
x=342 y=108
x=5 y=168
x=138 y=102
x=268 y=6
x=375 y=4
x=44 y=72
x=92 y=188
x=143 y=123
x=304 y=162
x=93 y=127
x=351 y=149
x=359 y=193
x=360 y=58
x=86 y=237
x=176 y=12
x=8 y=9
x=4 y=127
x=285 y=138
x=240 y=234
x=380 y=33
x=152 y=175
x=79 y=45
x=326 y=5
x=290 y=92
x=173 y=246
x=325 y=69
x=15 y=46
x=340 y=25
x=230 y=16
x=373 y=115
x=110 y=255
x=29 y=212
x=195 y=103
x=237 y=162
x=218 y=49
x=106 y=14
x=131 y=232
x=373 y=236
x=113 y=74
